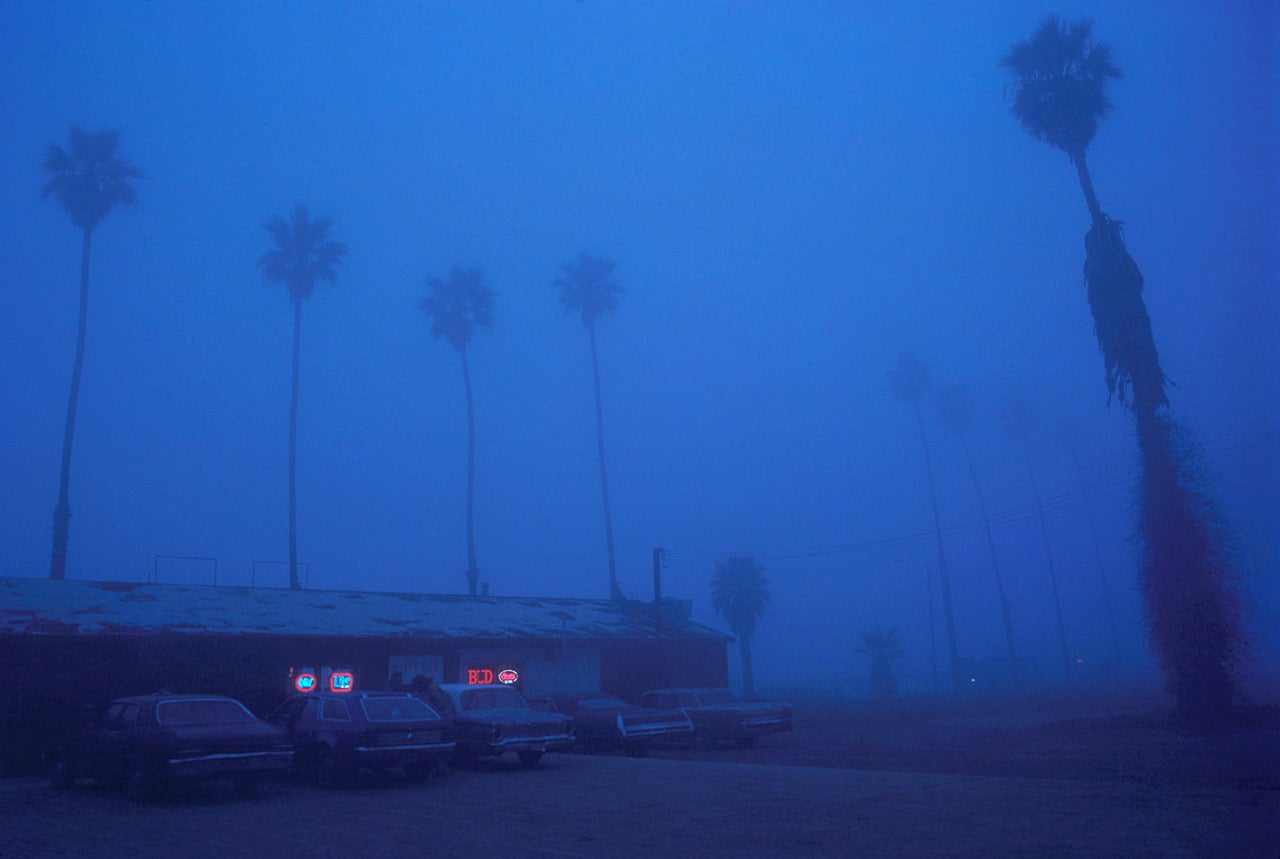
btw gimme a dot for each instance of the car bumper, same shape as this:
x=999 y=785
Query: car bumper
x=229 y=764
x=404 y=755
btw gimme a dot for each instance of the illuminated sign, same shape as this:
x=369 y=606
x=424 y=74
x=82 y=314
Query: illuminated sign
x=478 y=676
x=305 y=682
x=341 y=681
x=482 y=676
x=508 y=676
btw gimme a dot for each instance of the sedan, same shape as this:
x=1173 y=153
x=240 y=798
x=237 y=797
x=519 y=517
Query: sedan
x=602 y=723
x=147 y=742
x=720 y=716
x=491 y=719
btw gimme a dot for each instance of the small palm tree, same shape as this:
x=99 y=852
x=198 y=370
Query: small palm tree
x=909 y=382
x=89 y=180
x=739 y=593
x=456 y=308
x=587 y=288
x=303 y=255
x=884 y=648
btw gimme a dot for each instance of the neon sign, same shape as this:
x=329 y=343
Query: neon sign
x=305 y=682
x=479 y=676
x=341 y=681
x=508 y=676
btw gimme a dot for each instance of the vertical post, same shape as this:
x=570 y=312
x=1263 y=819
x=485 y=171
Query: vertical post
x=657 y=588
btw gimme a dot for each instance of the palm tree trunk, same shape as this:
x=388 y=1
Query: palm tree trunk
x=473 y=571
x=1005 y=614
x=293 y=447
x=748 y=675
x=1053 y=574
x=62 y=512
x=944 y=578
x=614 y=591
x=1086 y=185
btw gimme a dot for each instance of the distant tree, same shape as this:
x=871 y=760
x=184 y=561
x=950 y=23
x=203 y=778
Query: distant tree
x=1019 y=421
x=456 y=308
x=884 y=648
x=303 y=255
x=1058 y=83
x=955 y=412
x=909 y=382
x=587 y=288
x=739 y=594
x=88 y=179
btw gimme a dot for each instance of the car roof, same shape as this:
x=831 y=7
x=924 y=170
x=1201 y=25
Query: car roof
x=686 y=689
x=462 y=687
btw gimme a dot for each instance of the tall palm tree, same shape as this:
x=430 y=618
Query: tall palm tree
x=1019 y=420
x=89 y=180
x=955 y=412
x=587 y=288
x=909 y=382
x=1058 y=81
x=456 y=308
x=739 y=593
x=884 y=648
x=303 y=255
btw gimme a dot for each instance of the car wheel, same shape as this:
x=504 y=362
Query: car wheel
x=529 y=759
x=139 y=786
x=745 y=742
x=60 y=772
x=636 y=750
x=245 y=786
x=329 y=773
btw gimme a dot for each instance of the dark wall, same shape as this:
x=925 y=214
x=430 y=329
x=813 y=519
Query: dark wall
x=630 y=668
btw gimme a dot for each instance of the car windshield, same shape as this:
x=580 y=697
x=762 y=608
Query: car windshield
x=201 y=711
x=397 y=709
x=601 y=704
x=717 y=696
x=492 y=699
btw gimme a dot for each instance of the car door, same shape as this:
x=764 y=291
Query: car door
x=117 y=742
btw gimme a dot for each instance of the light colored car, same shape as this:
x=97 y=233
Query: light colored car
x=720 y=716
x=492 y=719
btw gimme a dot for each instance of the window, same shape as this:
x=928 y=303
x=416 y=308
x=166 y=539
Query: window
x=397 y=709
x=334 y=709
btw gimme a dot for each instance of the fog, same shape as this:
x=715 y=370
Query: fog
x=794 y=194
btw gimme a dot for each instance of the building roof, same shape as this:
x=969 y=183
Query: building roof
x=62 y=607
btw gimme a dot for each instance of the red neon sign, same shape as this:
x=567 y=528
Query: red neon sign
x=479 y=676
x=341 y=681
x=305 y=682
x=508 y=676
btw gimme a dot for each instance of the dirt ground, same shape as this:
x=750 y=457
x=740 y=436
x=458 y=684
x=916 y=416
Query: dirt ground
x=914 y=779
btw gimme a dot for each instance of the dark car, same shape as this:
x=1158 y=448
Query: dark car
x=602 y=723
x=489 y=720
x=148 y=741
x=334 y=735
x=719 y=716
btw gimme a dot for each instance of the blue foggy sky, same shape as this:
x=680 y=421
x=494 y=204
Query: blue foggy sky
x=793 y=194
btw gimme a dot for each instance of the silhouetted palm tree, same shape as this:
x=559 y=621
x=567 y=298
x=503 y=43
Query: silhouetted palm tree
x=884 y=648
x=909 y=382
x=89 y=180
x=1018 y=423
x=456 y=308
x=955 y=411
x=1059 y=79
x=303 y=256
x=739 y=593
x=587 y=289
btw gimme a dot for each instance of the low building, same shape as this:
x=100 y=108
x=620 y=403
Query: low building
x=68 y=644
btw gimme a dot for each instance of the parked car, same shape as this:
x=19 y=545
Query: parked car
x=602 y=723
x=492 y=719
x=719 y=716
x=146 y=742
x=334 y=735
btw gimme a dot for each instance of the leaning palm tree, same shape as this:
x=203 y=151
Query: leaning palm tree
x=1058 y=81
x=883 y=647
x=1019 y=420
x=955 y=411
x=456 y=308
x=587 y=289
x=739 y=593
x=303 y=255
x=909 y=382
x=89 y=180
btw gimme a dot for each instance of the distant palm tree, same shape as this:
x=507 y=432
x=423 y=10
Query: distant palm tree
x=1058 y=80
x=89 y=180
x=303 y=256
x=909 y=382
x=739 y=593
x=456 y=308
x=1019 y=420
x=955 y=411
x=587 y=289
x=884 y=648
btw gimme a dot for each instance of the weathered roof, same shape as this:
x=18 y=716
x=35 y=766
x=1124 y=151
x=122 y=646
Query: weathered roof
x=59 y=607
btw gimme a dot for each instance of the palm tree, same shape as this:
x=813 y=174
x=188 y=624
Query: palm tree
x=89 y=180
x=303 y=256
x=739 y=593
x=587 y=288
x=1019 y=420
x=1058 y=79
x=909 y=382
x=955 y=411
x=884 y=648
x=456 y=308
